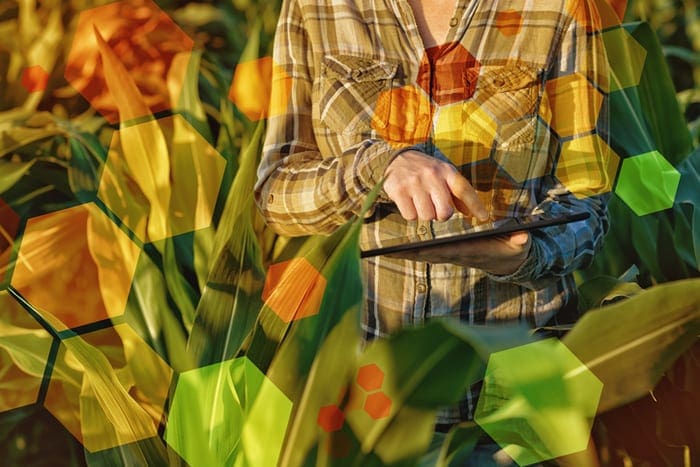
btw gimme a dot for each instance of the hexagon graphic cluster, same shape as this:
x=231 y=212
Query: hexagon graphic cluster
x=225 y=412
x=538 y=401
x=145 y=39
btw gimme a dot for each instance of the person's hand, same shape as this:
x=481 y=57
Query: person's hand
x=427 y=189
x=498 y=255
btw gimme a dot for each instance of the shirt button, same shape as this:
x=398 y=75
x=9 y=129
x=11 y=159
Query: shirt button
x=270 y=198
x=498 y=82
x=454 y=21
x=422 y=230
x=421 y=287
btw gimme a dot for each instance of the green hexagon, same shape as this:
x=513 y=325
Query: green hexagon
x=228 y=413
x=538 y=401
x=626 y=57
x=647 y=183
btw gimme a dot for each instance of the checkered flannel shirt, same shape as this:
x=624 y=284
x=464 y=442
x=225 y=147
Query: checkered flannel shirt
x=514 y=99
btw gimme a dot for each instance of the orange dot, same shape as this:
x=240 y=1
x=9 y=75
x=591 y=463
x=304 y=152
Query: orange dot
x=509 y=22
x=34 y=78
x=330 y=418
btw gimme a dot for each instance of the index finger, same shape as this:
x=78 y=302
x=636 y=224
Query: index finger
x=465 y=198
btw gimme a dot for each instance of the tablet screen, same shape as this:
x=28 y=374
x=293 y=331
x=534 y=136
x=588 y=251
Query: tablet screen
x=489 y=229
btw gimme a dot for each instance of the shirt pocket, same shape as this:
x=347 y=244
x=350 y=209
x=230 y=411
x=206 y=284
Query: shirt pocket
x=350 y=87
x=510 y=94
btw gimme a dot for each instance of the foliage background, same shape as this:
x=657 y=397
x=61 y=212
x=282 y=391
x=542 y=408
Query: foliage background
x=222 y=32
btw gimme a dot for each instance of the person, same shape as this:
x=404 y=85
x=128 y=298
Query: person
x=467 y=111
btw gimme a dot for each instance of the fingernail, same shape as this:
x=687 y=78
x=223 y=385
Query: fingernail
x=482 y=215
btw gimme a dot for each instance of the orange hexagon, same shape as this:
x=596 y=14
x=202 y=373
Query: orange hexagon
x=597 y=15
x=573 y=103
x=294 y=289
x=9 y=224
x=587 y=166
x=378 y=405
x=464 y=132
x=509 y=22
x=330 y=418
x=145 y=39
x=34 y=78
x=162 y=178
x=260 y=88
x=403 y=116
x=453 y=78
x=23 y=356
x=108 y=388
x=370 y=377
x=75 y=266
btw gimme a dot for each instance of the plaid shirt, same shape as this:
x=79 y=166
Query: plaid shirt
x=515 y=99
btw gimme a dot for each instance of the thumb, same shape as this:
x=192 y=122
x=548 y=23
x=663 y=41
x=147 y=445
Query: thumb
x=519 y=238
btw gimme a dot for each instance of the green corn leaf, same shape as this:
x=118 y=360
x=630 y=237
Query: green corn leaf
x=629 y=345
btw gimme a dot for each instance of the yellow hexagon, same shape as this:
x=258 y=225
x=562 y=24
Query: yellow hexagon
x=464 y=132
x=162 y=178
x=528 y=161
x=75 y=266
x=626 y=57
x=587 y=166
x=108 y=388
x=574 y=105
x=24 y=351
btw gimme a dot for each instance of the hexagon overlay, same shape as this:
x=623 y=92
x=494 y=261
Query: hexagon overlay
x=453 y=78
x=227 y=414
x=626 y=57
x=464 y=132
x=161 y=190
x=144 y=38
x=260 y=88
x=79 y=255
x=403 y=116
x=574 y=105
x=509 y=22
x=108 y=388
x=24 y=350
x=647 y=183
x=587 y=166
x=370 y=377
x=294 y=289
x=538 y=401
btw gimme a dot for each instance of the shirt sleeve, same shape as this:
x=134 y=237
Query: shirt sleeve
x=301 y=191
x=584 y=170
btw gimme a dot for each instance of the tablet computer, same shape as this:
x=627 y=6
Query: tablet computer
x=489 y=229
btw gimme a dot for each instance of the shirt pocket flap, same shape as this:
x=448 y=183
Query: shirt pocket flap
x=358 y=69
x=509 y=77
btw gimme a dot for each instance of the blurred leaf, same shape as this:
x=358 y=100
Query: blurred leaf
x=145 y=151
x=628 y=345
x=12 y=172
x=231 y=299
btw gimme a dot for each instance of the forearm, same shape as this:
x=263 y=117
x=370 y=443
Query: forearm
x=302 y=193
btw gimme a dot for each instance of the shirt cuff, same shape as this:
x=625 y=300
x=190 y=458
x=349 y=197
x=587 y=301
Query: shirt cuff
x=528 y=272
x=372 y=161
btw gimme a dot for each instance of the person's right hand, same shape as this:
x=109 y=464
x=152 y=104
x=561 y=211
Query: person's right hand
x=426 y=189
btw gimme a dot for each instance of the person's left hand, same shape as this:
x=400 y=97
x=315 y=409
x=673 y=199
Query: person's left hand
x=498 y=255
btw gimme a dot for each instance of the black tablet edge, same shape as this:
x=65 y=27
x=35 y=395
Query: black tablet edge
x=507 y=228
